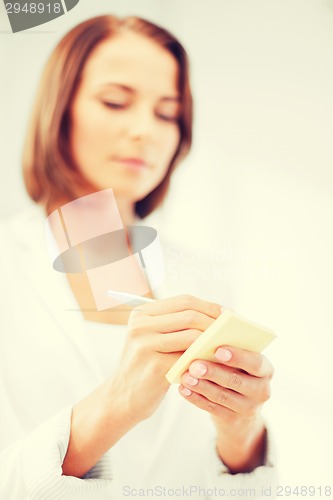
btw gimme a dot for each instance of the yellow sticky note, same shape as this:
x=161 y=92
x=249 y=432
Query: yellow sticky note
x=227 y=329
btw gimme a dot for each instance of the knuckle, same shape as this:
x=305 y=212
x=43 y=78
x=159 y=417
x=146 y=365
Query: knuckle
x=235 y=380
x=161 y=343
x=154 y=368
x=139 y=324
x=135 y=329
x=193 y=334
x=186 y=300
x=136 y=311
x=211 y=407
x=222 y=398
x=266 y=368
x=141 y=348
x=258 y=363
x=189 y=317
x=135 y=323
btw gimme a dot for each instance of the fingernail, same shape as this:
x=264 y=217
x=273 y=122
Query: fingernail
x=223 y=354
x=198 y=369
x=191 y=380
x=185 y=391
x=222 y=309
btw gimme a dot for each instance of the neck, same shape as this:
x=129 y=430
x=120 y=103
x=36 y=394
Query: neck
x=126 y=211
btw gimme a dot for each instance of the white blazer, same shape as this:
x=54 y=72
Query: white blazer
x=47 y=364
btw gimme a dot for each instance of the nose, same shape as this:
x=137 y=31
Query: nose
x=142 y=123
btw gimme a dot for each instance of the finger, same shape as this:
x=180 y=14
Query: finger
x=178 y=304
x=217 y=394
x=176 y=341
x=172 y=322
x=254 y=388
x=205 y=404
x=183 y=320
x=254 y=363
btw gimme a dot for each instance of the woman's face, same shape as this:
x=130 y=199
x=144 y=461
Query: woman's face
x=124 y=129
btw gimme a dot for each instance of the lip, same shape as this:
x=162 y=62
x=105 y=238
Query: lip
x=133 y=162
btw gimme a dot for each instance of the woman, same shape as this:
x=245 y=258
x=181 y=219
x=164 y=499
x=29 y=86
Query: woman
x=114 y=111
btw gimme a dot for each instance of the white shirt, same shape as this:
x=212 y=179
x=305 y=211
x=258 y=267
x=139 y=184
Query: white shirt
x=50 y=358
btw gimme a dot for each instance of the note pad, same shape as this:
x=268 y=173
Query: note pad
x=227 y=329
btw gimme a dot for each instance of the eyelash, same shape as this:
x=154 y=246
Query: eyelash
x=114 y=105
x=117 y=106
x=170 y=119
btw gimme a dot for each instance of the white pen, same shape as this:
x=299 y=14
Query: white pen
x=124 y=297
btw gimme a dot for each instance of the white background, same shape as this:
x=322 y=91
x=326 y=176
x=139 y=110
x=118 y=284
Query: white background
x=256 y=194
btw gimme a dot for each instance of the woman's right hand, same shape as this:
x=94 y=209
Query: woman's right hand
x=158 y=333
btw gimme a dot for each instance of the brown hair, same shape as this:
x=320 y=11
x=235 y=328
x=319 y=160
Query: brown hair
x=50 y=174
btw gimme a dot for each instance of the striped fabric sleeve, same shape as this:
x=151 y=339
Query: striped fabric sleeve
x=255 y=484
x=34 y=466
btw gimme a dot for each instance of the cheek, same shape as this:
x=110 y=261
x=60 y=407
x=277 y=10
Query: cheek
x=88 y=139
x=170 y=143
x=167 y=149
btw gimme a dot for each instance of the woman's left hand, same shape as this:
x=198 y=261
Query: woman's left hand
x=232 y=390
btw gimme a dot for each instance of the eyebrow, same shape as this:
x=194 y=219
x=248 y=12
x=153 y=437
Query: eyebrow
x=130 y=90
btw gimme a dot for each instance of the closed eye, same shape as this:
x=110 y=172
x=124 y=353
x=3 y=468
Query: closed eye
x=168 y=118
x=114 y=105
x=169 y=110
